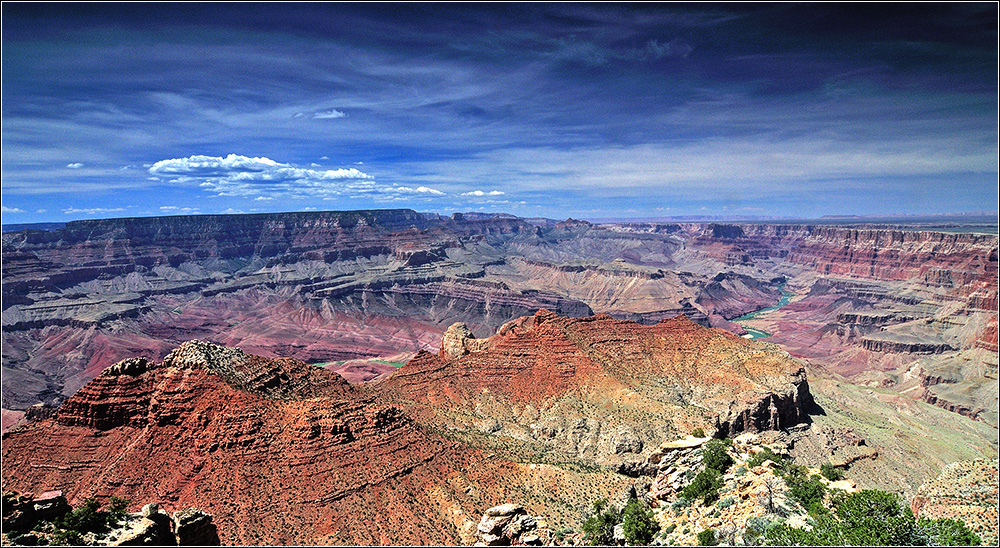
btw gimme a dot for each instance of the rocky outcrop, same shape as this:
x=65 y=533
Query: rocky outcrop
x=33 y=521
x=510 y=525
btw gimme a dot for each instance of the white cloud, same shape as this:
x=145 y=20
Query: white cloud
x=309 y=208
x=237 y=175
x=92 y=210
x=324 y=157
x=74 y=165
x=329 y=114
x=418 y=190
x=6 y=209
x=262 y=198
x=481 y=193
x=180 y=209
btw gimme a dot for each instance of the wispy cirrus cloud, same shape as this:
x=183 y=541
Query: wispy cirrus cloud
x=92 y=210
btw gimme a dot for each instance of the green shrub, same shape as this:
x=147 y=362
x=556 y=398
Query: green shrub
x=716 y=456
x=765 y=455
x=698 y=433
x=600 y=527
x=707 y=538
x=705 y=486
x=807 y=491
x=680 y=503
x=831 y=472
x=725 y=503
x=638 y=524
x=670 y=528
x=117 y=509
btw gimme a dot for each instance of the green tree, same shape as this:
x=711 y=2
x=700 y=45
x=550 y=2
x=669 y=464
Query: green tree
x=600 y=526
x=85 y=518
x=716 y=456
x=698 y=433
x=808 y=491
x=704 y=486
x=868 y=518
x=638 y=523
x=946 y=532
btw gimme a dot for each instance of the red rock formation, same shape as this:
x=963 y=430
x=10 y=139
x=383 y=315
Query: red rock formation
x=538 y=360
x=280 y=452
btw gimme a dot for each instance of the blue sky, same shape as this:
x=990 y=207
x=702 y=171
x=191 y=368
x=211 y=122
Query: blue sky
x=555 y=110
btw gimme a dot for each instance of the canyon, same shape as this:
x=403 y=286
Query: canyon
x=174 y=358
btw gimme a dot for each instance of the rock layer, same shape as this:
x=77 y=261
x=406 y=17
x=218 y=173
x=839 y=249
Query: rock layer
x=527 y=377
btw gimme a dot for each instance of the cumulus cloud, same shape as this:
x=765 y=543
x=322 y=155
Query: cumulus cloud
x=237 y=175
x=170 y=209
x=92 y=210
x=418 y=190
x=6 y=209
x=262 y=198
x=479 y=193
x=329 y=114
x=74 y=165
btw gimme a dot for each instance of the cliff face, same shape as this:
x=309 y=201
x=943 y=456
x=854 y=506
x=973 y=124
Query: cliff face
x=602 y=388
x=933 y=258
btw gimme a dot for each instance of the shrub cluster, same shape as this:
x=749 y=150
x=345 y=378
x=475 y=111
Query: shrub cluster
x=636 y=519
x=866 y=518
x=706 y=484
x=70 y=528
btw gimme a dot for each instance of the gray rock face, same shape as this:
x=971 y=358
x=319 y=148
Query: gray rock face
x=193 y=527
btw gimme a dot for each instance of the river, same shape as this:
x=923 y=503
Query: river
x=757 y=333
